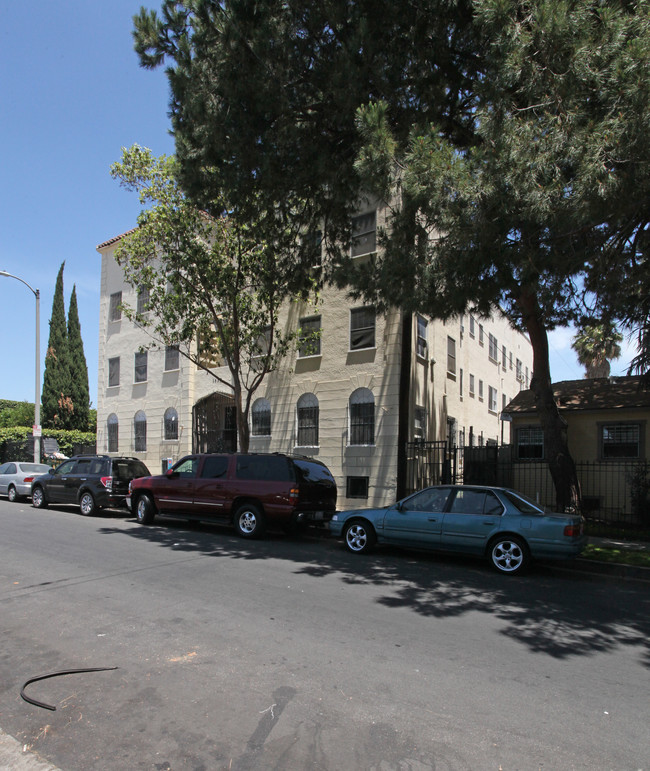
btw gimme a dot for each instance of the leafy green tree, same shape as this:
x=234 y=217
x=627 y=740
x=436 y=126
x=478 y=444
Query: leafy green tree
x=79 y=391
x=510 y=138
x=16 y=413
x=213 y=289
x=58 y=408
x=596 y=344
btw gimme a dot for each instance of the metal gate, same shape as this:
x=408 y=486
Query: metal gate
x=214 y=424
x=430 y=463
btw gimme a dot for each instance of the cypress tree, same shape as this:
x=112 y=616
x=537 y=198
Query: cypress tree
x=79 y=391
x=57 y=406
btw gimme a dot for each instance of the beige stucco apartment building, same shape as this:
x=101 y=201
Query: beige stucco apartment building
x=374 y=383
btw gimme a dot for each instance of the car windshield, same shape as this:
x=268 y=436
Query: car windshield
x=522 y=502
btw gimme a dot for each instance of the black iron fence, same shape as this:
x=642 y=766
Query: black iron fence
x=613 y=492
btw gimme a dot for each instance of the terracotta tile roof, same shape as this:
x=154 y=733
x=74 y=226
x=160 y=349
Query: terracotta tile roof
x=589 y=394
x=115 y=239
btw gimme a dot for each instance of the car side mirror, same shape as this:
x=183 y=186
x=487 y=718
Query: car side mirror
x=51 y=470
x=171 y=474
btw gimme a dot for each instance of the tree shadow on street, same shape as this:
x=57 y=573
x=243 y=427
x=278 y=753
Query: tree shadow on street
x=552 y=612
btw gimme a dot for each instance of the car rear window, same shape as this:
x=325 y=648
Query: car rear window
x=313 y=472
x=29 y=468
x=129 y=469
x=264 y=467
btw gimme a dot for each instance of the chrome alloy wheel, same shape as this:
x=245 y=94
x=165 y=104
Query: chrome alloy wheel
x=508 y=555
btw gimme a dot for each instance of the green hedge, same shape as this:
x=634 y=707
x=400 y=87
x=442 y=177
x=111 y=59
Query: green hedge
x=18 y=440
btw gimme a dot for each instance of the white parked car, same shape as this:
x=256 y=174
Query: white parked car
x=16 y=478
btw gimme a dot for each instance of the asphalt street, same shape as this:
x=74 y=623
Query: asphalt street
x=290 y=653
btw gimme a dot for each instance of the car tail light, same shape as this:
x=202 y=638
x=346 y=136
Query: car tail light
x=107 y=482
x=573 y=531
x=28 y=479
x=293 y=495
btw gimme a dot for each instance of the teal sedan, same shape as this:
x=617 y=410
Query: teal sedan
x=505 y=526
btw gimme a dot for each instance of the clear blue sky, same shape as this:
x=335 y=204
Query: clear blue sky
x=73 y=94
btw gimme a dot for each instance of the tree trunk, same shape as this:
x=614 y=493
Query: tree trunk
x=243 y=429
x=560 y=463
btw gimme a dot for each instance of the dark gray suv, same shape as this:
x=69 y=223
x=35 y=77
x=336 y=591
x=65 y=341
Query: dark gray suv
x=92 y=482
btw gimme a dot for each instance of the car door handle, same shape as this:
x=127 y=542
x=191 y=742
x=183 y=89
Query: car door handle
x=488 y=522
x=432 y=519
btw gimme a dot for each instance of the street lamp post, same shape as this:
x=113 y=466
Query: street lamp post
x=37 y=398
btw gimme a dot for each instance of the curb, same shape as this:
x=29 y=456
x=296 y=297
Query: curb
x=13 y=757
x=613 y=569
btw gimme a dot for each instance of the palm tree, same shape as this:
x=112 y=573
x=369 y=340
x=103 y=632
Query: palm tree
x=596 y=344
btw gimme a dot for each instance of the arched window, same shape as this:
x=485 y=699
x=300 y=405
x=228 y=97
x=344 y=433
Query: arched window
x=261 y=418
x=307 y=419
x=112 y=428
x=171 y=423
x=140 y=431
x=362 y=417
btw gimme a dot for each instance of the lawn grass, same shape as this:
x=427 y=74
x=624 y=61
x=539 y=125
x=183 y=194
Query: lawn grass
x=634 y=557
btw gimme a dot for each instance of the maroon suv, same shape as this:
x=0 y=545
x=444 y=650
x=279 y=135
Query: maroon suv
x=248 y=491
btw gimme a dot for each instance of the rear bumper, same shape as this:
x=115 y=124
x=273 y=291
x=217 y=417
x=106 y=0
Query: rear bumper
x=558 y=550
x=317 y=517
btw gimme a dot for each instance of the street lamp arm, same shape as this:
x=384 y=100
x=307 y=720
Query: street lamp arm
x=37 y=367
x=22 y=281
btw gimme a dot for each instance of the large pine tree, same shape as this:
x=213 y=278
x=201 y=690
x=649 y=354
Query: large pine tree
x=79 y=391
x=57 y=405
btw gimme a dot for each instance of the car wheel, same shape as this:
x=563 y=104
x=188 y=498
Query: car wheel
x=12 y=495
x=87 y=504
x=359 y=537
x=249 y=521
x=144 y=510
x=509 y=554
x=38 y=498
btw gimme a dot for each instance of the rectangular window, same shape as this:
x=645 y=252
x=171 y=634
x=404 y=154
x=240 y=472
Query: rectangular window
x=480 y=390
x=510 y=359
x=493 y=348
x=481 y=335
x=113 y=434
x=308 y=426
x=422 y=344
x=172 y=358
x=362 y=423
x=143 y=299
x=471 y=386
x=492 y=399
x=115 y=307
x=460 y=382
x=140 y=431
x=263 y=345
x=140 y=368
x=309 y=337
x=530 y=443
x=504 y=357
x=356 y=487
x=519 y=373
x=364 y=234
x=362 y=328
x=420 y=423
x=114 y=372
x=472 y=327
x=620 y=440
x=451 y=357
x=261 y=420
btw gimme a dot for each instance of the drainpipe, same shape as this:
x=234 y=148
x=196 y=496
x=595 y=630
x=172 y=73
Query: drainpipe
x=404 y=402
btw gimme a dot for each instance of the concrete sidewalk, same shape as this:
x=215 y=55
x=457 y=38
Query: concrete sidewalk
x=615 y=569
